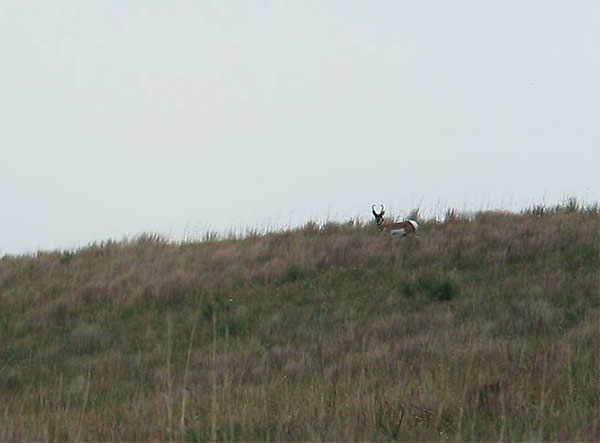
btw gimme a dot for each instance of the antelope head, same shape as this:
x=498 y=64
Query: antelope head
x=378 y=217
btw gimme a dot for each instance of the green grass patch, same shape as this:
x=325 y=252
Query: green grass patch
x=432 y=286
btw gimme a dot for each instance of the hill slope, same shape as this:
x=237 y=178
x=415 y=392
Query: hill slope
x=484 y=328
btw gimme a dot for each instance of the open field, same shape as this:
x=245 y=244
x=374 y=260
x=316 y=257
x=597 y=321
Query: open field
x=487 y=327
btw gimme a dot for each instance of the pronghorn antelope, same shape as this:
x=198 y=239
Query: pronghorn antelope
x=399 y=229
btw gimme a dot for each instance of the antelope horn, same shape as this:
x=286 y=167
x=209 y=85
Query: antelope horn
x=375 y=213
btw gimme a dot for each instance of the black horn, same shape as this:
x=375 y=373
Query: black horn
x=380 y=213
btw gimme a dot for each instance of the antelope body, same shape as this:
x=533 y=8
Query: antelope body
x=395 y=229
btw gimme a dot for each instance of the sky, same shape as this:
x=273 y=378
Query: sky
x=179 y=117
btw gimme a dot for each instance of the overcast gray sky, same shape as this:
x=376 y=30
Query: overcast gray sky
x=123 y=117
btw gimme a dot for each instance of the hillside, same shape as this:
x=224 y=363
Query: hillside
x=485 y=328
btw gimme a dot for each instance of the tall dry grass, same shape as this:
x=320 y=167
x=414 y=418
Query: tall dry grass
x=485 y=328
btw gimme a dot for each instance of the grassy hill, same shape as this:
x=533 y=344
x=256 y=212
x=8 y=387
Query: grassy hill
x=485 y=328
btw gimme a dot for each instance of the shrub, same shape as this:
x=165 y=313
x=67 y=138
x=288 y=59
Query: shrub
x=432 y=286
x=582 y=257
x=292 y=273
x=228 y=321
x=451 y=215
x=571 y=205
x=438 y=287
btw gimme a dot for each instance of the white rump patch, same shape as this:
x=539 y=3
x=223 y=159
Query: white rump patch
x=414 y=224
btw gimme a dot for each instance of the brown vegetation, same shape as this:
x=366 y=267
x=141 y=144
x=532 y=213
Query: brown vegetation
x=485 y=328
